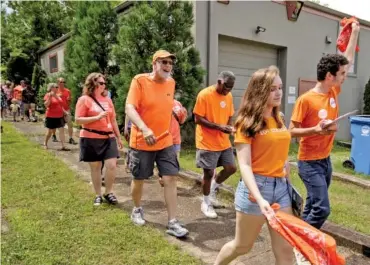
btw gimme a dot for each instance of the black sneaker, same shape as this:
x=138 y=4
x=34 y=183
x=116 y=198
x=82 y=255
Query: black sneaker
x=111 y=199
x=54 y=137
x=98 y=201
x=71 y=141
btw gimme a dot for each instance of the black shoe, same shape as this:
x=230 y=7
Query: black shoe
x=54 y=138
x=111 y=199
x=71 y=141
x=98 y=201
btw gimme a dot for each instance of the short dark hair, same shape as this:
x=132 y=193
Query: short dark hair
x=330 y=63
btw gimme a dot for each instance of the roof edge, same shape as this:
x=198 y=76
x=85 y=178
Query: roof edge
x=55 y=42
x=333 y=12
x=119 y=9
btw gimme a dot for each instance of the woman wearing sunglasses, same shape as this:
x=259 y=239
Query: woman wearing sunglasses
x=54 y=116
x=99 y=135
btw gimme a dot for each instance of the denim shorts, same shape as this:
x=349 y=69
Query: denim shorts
x=273 y=190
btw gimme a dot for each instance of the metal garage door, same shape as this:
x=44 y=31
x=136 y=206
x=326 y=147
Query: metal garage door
x=243 y=58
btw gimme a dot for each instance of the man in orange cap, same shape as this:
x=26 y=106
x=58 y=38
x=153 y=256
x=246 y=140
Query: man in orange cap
x=149 y=107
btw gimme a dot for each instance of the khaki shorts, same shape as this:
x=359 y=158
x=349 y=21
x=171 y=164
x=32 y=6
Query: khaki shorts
x=29 y=106
x=68 y=119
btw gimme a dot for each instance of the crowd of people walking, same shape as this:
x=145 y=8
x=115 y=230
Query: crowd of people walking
x=152 y=128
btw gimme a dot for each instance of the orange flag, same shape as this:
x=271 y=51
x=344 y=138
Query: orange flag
x=317 y=247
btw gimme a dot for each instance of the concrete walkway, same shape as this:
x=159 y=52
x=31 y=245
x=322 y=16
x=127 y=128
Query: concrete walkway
x=206 y=236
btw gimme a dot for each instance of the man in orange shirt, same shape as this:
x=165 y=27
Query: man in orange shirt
x=213 y=112
x=66 y=96
x=17 y=94
x=149 y=107
x=312 y=111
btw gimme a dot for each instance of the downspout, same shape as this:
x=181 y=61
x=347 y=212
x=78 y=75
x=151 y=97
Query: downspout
x=208 y=40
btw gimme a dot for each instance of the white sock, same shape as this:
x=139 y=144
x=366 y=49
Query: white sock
x=206 y=199
x=214 y=185
x=137 y=208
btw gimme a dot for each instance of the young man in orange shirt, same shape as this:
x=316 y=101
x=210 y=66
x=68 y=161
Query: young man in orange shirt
x=312 y=110
x=213 y=112
x=149 y=106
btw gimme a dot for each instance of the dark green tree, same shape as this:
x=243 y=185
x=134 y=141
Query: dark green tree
x=94 y=31
x=26 y=27
x=38 y=77
x=147 y=28
x=367 y=99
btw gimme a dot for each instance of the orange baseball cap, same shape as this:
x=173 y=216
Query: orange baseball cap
x=163 y=54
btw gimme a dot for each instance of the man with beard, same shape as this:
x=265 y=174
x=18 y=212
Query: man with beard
x=149 y=107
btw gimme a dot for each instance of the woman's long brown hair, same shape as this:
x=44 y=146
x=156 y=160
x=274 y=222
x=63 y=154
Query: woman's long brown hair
x=250 y=115
x=91 y=83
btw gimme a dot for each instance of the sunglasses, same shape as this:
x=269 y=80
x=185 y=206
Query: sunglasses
x=165 y=62
x=228 y=87
x=61 y=82
x=101 y=83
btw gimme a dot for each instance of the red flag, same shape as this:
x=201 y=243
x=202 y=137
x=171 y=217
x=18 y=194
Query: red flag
x=345 y=34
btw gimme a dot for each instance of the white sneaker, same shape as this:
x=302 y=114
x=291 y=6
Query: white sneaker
x=175 y=228
x=137 y=216
x=214 y=201
x=208 y=210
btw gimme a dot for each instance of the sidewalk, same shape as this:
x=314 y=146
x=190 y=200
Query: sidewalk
x=206 y=237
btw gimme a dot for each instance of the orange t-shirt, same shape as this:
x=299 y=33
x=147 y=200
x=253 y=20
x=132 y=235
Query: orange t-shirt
x=86 y=107
x=309 y=110
x=153 y=102
x=215 y=108
x=181 y=114
x=269 y=149
x=17 y=92
x=66 y=97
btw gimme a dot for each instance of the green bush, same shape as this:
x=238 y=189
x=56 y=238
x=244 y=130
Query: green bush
x=38 y=77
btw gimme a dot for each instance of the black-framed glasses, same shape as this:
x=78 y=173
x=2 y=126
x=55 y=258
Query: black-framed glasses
x=102 y=83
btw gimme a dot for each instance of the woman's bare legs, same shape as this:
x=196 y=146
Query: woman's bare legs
x=246 y=232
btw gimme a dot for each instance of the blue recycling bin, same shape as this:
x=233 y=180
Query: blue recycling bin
x=360 y=150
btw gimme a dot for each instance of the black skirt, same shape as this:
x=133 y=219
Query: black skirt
x=93 y=149
x=54 y=123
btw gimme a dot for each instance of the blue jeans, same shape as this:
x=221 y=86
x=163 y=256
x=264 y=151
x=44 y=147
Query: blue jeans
x=316 y=176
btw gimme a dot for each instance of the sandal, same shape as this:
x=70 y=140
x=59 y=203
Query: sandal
x=110 y=198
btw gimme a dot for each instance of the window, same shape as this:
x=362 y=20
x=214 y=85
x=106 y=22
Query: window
x=353 y=68
x=53 y=63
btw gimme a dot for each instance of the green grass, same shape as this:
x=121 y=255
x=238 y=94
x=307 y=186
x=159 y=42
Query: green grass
x=52 y=220
x=349 y=203
x=338 y=155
